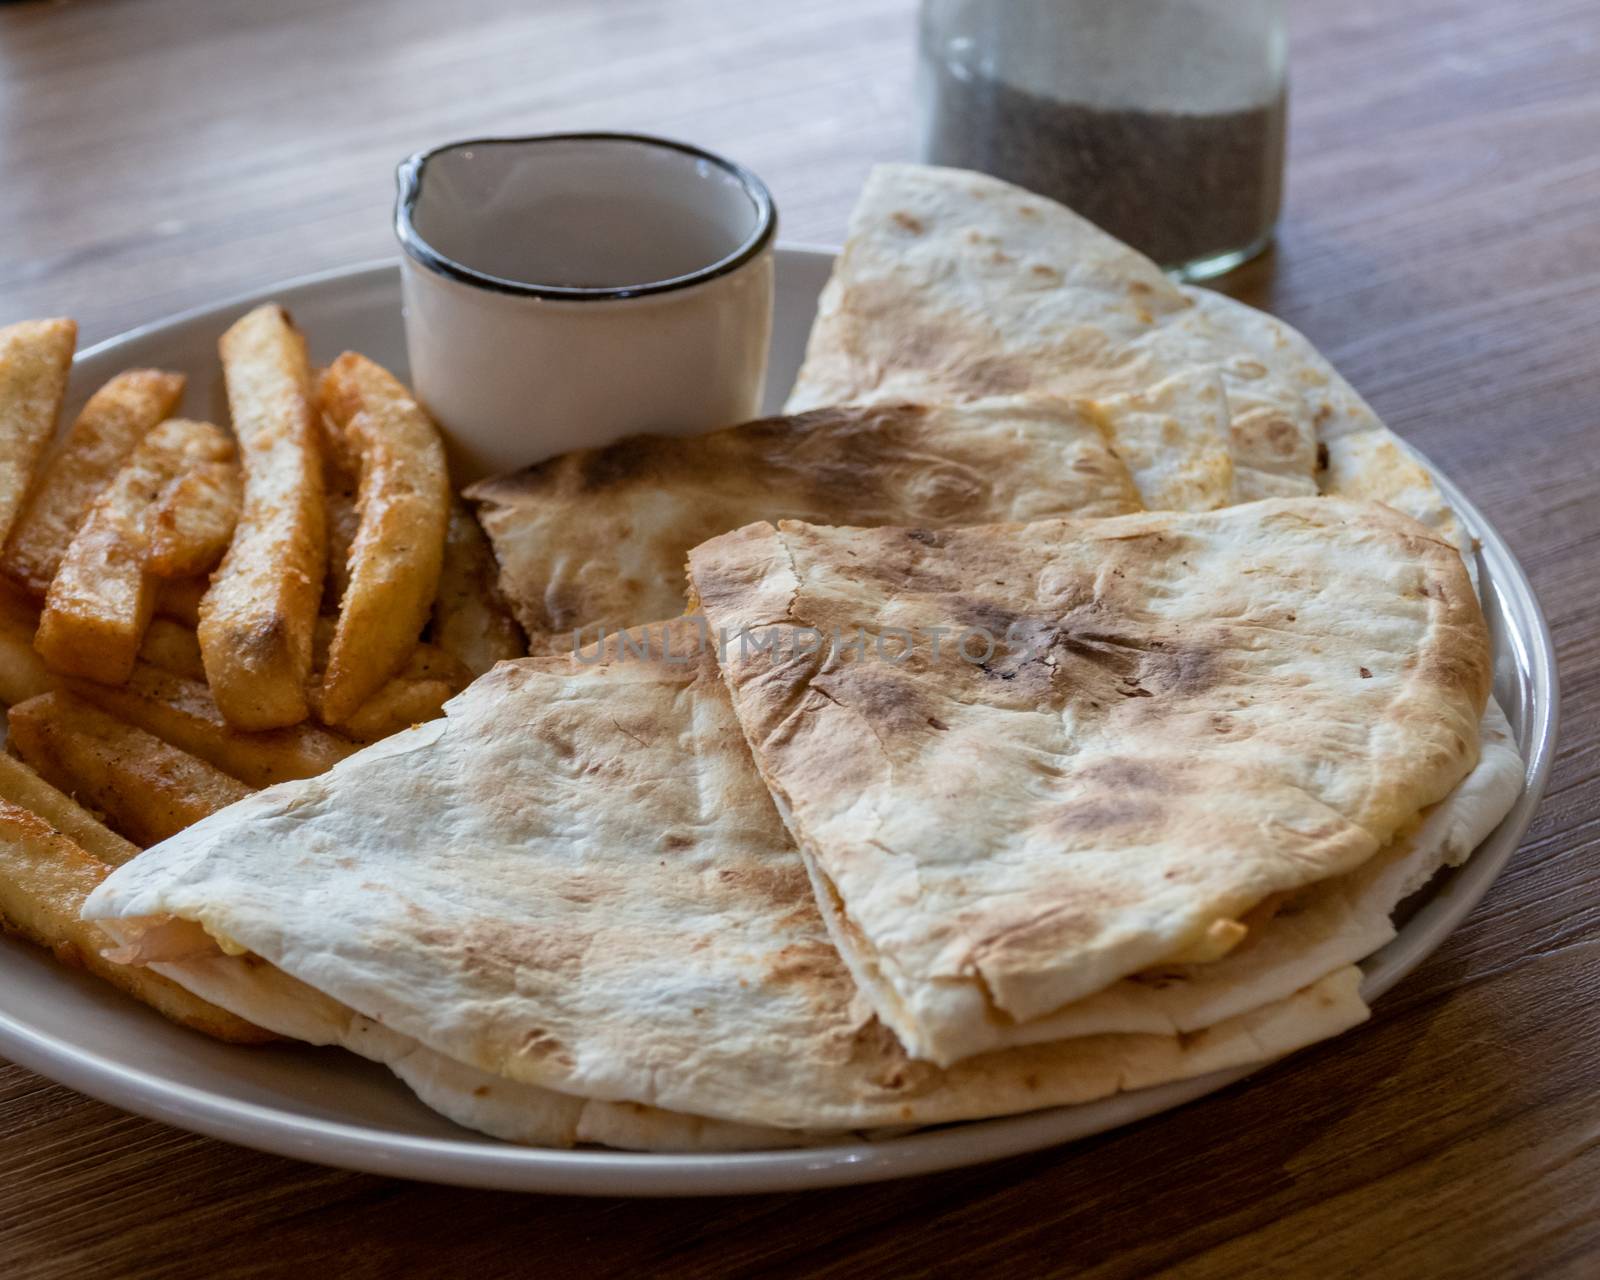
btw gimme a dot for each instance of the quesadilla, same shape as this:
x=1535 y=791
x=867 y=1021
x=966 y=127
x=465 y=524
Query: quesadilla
x=577 y=882
x=1357 y=456
x=598 y=537
x=1295 y=937
x=954 y=285
x=1137 y=729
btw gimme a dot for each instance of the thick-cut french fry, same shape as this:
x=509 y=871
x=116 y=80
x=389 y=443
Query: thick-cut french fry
x=116 y=418
x=173 y=647
x=148 y=789
x=193 y=520
x=44 y=879
x=404 y=500
x=22 y=670
x=398 y=705
x=34 y=359
x=179 y=599
x=22 y=786
x=256 y=620
x=430 y=678
x=183 y=713
x=101 y=599
x=470 y=617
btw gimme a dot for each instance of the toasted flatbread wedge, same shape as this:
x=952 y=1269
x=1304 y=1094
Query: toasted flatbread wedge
x=1136 y=730
x=1357 y=456
x=954 y=286
x=598 y=537
x=664 y=954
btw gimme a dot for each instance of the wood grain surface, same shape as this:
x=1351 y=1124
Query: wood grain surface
x=1441 y=243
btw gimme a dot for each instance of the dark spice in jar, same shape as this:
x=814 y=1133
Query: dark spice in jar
x=1178 y=186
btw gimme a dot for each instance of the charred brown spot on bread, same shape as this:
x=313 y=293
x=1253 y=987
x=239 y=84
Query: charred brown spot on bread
x=812 y=960
x=1103 y=813
x=781 y=885
x=908 y=222
x=623 y=463
x=996 y=375
x=1124 y=773
x=1280 y=435
x=1322 y=456
x=888 y=698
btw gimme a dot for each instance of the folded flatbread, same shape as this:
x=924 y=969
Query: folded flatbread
x=577 y=882
x=1358 y=457
x=1298 y=935
x=598 y=537
x=1135 y=731
x=953 y=285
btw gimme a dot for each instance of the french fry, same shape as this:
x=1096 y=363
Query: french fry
x=35 y=357
x=25 y=788
x=179 y=599
x=193 y=520
x=102 y=597
x=148 y=789
x=97 y=444
x=256 y=620
x=173 y=647
x=22 y=670
x=470 y=617
x=183 y=713
x=404 y=499
x=430 y=678
x=45 y=878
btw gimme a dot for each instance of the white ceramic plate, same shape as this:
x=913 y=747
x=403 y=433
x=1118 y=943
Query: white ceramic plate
x=331 y=1107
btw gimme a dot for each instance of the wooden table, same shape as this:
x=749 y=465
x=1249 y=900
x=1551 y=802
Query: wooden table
x=1442 y=243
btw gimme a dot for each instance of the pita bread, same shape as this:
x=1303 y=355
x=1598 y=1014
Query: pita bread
x=598 y=537
x=1020 y=832
x=577 y=881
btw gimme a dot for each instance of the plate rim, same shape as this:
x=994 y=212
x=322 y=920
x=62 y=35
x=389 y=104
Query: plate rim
x=482 y=1162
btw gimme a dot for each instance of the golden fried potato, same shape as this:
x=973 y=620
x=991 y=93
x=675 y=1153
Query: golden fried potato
x=430 y=678
x=183 y=713
x=22 y=670
x=25 y=788
x=116 y=418
x=470 y=618
x=102 y=597
x=404 y=501
x=173 y=647
x=35 y=357
x=44 y=879
x=256 y=620
x=193 y=520
x=148 y=789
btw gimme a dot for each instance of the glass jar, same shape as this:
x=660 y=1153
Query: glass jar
x=1162 y=121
